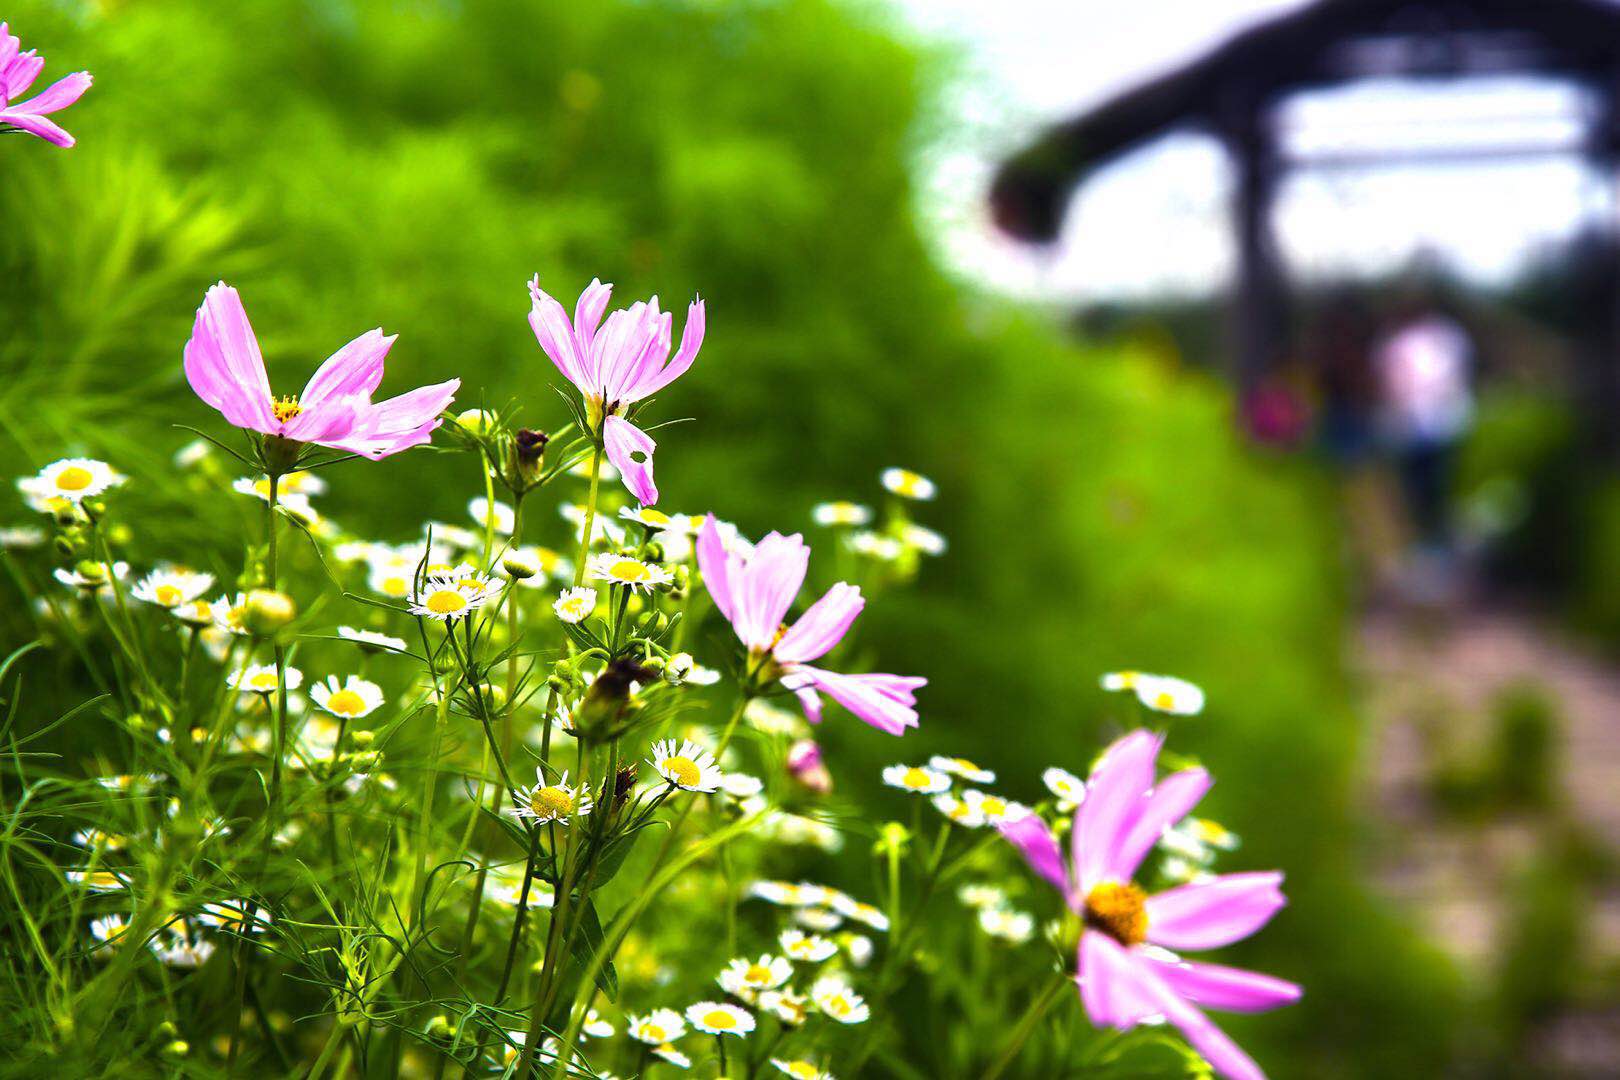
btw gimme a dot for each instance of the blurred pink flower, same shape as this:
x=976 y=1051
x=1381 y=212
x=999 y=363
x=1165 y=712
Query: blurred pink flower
x=754 y=592
x=225 y=369
x=1127 y=974
x=623 y=362
x=17 y=73
x=805 y=765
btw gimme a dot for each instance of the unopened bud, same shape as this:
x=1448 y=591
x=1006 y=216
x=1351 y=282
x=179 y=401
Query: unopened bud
x=268 y=611
x=476 y=421
x=528 y=448
x=520 y=564
x=678 y=668
x=363 y=738
x=177 y=1048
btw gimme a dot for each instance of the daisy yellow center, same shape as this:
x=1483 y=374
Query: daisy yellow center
x=168 y=595
x=74 y=478
x=394 y=586
x=916 y=778
x=346 y=703
x=655 y=1032
x=446 y=602
x=654 y=517
x=683 y=770
x=575 y=606
x=552 y=802
x=628 y=570
x=959 y=811
x=285 y=408
x=994 y=805
x=757 y=973
x=719 y=1018
x=965 y=765
x=264 y=680
x=1120 y=911
x=802 y=1070
x=1164 y=700
x=838 y=1005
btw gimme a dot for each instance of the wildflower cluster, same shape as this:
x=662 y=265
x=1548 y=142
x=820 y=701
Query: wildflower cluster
x=483 y=797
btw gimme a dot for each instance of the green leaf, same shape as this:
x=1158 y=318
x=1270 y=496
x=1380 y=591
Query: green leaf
x=585 y=944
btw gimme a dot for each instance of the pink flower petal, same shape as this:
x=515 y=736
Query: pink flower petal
x=551 y=328
x=1215 y=1045
x=1171 y=800
x=1034 y=840
x=1114 y=797
x=884 y=701
x=1209 y=914
x=398 y=423
x=716 y=566
x=223 y=364
x=59 y=95
x=49 y=130
x=356 y=370
x=588 y=313
x=823 y=625
x=765 y=588
x=631 y=451
x=1111 y=984
x=691 y=342
x=1216 y=987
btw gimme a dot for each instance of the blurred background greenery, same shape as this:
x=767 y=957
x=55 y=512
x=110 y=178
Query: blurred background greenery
x=411 y=164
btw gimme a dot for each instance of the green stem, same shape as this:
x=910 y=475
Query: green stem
x=1025 y=1029
x=590 y=517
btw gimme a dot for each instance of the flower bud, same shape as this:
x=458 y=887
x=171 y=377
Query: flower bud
x=91 y=573
x=678 y=668
x=893 y=838
x=528 y=449
x=268 y=611
x=177 y=1048
x=65 y=514
x=805 y=765
x=363 y=738
x=519 y=564
x=476 y=421
x=64 y=547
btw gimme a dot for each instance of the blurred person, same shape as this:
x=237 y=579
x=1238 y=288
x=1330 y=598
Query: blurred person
x=1425 y=370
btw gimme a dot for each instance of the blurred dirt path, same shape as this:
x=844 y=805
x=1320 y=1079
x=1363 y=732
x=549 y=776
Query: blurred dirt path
x=1431 y=686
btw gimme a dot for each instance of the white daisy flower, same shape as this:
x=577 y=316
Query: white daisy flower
x=876 y=546
x=504 y=885
x=504 y=519
x=741 y=785
x=73 y=479
x=818 y=918
x=994 y=808
x=1014 y=926
x=627 y=571
x=688 y=767
x=177 y=947
x=922 y=538
x=916 y=779
x=657 y=1027
x=745 y=978
x=230 y=614
x=806 y=948
x=799 y=1069
x=1197 y=839
x=195 y=613
x=192 y=454
x=1116 y=681
x=595 y=1026
x=715 y=1018
x=575 y=605
x=171 y=586
x=261 y=679
x=371 y=639
x=978 y=894
x=835 y=999
x=859 y=947
x=453 y=597
x=353 y=698
x=841 y=513
x=457 y=536
x=91 y=577
x=962 y=767
x=787 y=1005
x=21 y=536
x=98 y=881
x=318 y=739
x=108 y=928
x=790 y=894
x=908 y=484
x=552 y=802
x=667 y=1052
x=647 y=516
x=860 y=911
x=960 y=811
x=1167 y=694
x=231 y=916
x=1069 y=788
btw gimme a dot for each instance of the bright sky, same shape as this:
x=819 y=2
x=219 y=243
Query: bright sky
x=1156 y=221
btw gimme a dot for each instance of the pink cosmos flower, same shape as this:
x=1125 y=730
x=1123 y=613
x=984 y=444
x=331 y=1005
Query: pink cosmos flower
x=224 y=367
x=1128 y=973
x=755 y=591
x=616 y=364
x=17 y=73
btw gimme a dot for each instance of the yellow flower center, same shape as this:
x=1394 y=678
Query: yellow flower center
x=74 y=478
x=552 y=802
x=394 y=586
x=916 y=778
x=1164 y=700
x=446 y=602
x=964 y=764
x=994 y=805
x=719 y=1018
x=1120 y=911
x=758 y=974
x=838 y=1005
x=654 y=517
x=285 y=408
x=346 y=703
x=653 y=1032
x=264 y=680
x=168 y=595
x=683 y=770
x=803 y=1070
x=629 y=570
